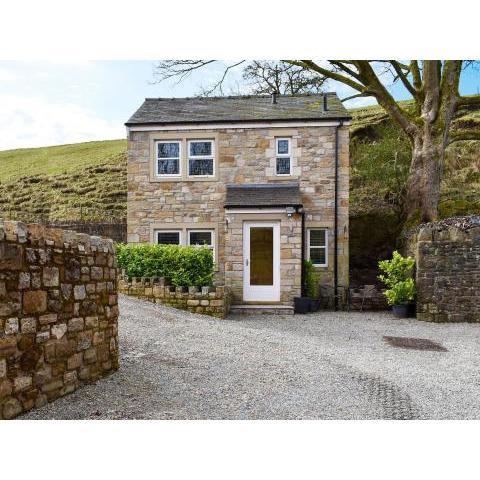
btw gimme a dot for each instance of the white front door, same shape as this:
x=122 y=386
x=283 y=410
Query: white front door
x=261 y=262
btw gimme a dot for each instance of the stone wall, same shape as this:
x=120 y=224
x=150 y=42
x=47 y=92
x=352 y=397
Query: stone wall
x=448 y=270
x=243 y=156
x=58 y=314
x=214 y=301
x=117 y=231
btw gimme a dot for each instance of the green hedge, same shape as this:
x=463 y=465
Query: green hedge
x=181 y=266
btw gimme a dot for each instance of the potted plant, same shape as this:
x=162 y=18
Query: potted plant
x=308 y=303
x=400 y=292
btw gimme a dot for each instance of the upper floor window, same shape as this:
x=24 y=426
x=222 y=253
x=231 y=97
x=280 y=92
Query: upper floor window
x=283 y=156
x=317 y=243
x=169 y=237
x=200 y=158
x=168 y=158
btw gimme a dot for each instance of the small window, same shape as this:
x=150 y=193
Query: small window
x=200 y=158
x=168 y=159
x=318 y=246
x=170 y=237
x=202 y=237
x=283 y=156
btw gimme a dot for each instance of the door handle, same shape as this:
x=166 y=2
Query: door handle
x=246 y=262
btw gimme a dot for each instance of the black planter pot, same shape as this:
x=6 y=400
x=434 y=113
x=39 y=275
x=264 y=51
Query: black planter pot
x=314 y=305
x=401 y=311
x=301 y=304
x=412 y=310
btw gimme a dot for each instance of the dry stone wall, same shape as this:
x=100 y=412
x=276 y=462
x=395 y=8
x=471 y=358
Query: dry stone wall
x=448 y=270
x=58 y=314
x=214 y=301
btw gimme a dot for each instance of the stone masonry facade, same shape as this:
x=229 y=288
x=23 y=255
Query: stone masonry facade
x=244 y=156
x=213 y=301
x=58 y=314
x=448 y=270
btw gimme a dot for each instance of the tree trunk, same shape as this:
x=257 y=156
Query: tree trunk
x=423 y=185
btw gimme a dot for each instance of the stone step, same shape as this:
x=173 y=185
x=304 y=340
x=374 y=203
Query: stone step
x=261 y=309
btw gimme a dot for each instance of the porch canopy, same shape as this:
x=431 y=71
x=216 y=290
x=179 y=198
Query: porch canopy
x=263 y=195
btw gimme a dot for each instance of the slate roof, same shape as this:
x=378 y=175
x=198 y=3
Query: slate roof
x=251 y=108
x=263 y=195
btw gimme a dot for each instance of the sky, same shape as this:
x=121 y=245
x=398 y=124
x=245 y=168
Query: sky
x=53 y=103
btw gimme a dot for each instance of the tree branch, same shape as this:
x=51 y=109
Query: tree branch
x=473 y=100
x=384 y=98
x=357 y=95
x=399 y=70
x=431 y=86
x=179 y=68
x=417 y=78
x=463 y=136
x=222 y=79
x=327 y=73
x=344 y=68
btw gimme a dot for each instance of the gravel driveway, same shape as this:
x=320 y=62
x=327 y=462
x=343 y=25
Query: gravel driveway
x=177 y=365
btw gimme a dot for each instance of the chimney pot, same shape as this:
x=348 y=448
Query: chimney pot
x=274 y=97
x=325 y=103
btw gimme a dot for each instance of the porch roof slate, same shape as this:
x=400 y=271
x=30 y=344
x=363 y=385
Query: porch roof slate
x=247 y=108
x=262 y=195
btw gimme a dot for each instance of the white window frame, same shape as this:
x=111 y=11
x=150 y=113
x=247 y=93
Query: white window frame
x=200 y=157
x=169 y=175
x=283 y=155
x=173 y=230
x=211 y=230
x=309 y=247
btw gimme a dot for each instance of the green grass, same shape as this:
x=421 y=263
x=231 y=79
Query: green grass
x=15 y=164
x=83 y=181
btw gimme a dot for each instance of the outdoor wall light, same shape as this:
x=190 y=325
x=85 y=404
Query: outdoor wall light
x=290 y=211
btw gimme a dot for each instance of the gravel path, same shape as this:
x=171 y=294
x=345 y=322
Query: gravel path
x=177 y=365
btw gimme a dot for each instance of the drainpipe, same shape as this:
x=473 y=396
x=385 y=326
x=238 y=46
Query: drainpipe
x=335 y=231
x=302 y=275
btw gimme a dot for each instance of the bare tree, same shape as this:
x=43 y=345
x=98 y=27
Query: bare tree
x=266 y=77
x=434 y=87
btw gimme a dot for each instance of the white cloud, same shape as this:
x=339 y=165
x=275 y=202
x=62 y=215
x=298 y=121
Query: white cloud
x=7 y=76
x=34 y=122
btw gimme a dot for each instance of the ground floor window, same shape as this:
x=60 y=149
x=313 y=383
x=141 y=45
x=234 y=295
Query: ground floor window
x=317 y=246
x=194 y=237
x=169 y=237
x=202 y=237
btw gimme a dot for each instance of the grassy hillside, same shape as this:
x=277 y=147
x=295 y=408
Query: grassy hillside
x=62 y=159
x=80 y=181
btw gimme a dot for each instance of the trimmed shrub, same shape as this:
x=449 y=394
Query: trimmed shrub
x=181 y=266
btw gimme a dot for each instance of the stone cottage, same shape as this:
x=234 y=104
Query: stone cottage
x=261 y=180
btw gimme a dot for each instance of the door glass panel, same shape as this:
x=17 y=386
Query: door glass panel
x=261 y=256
